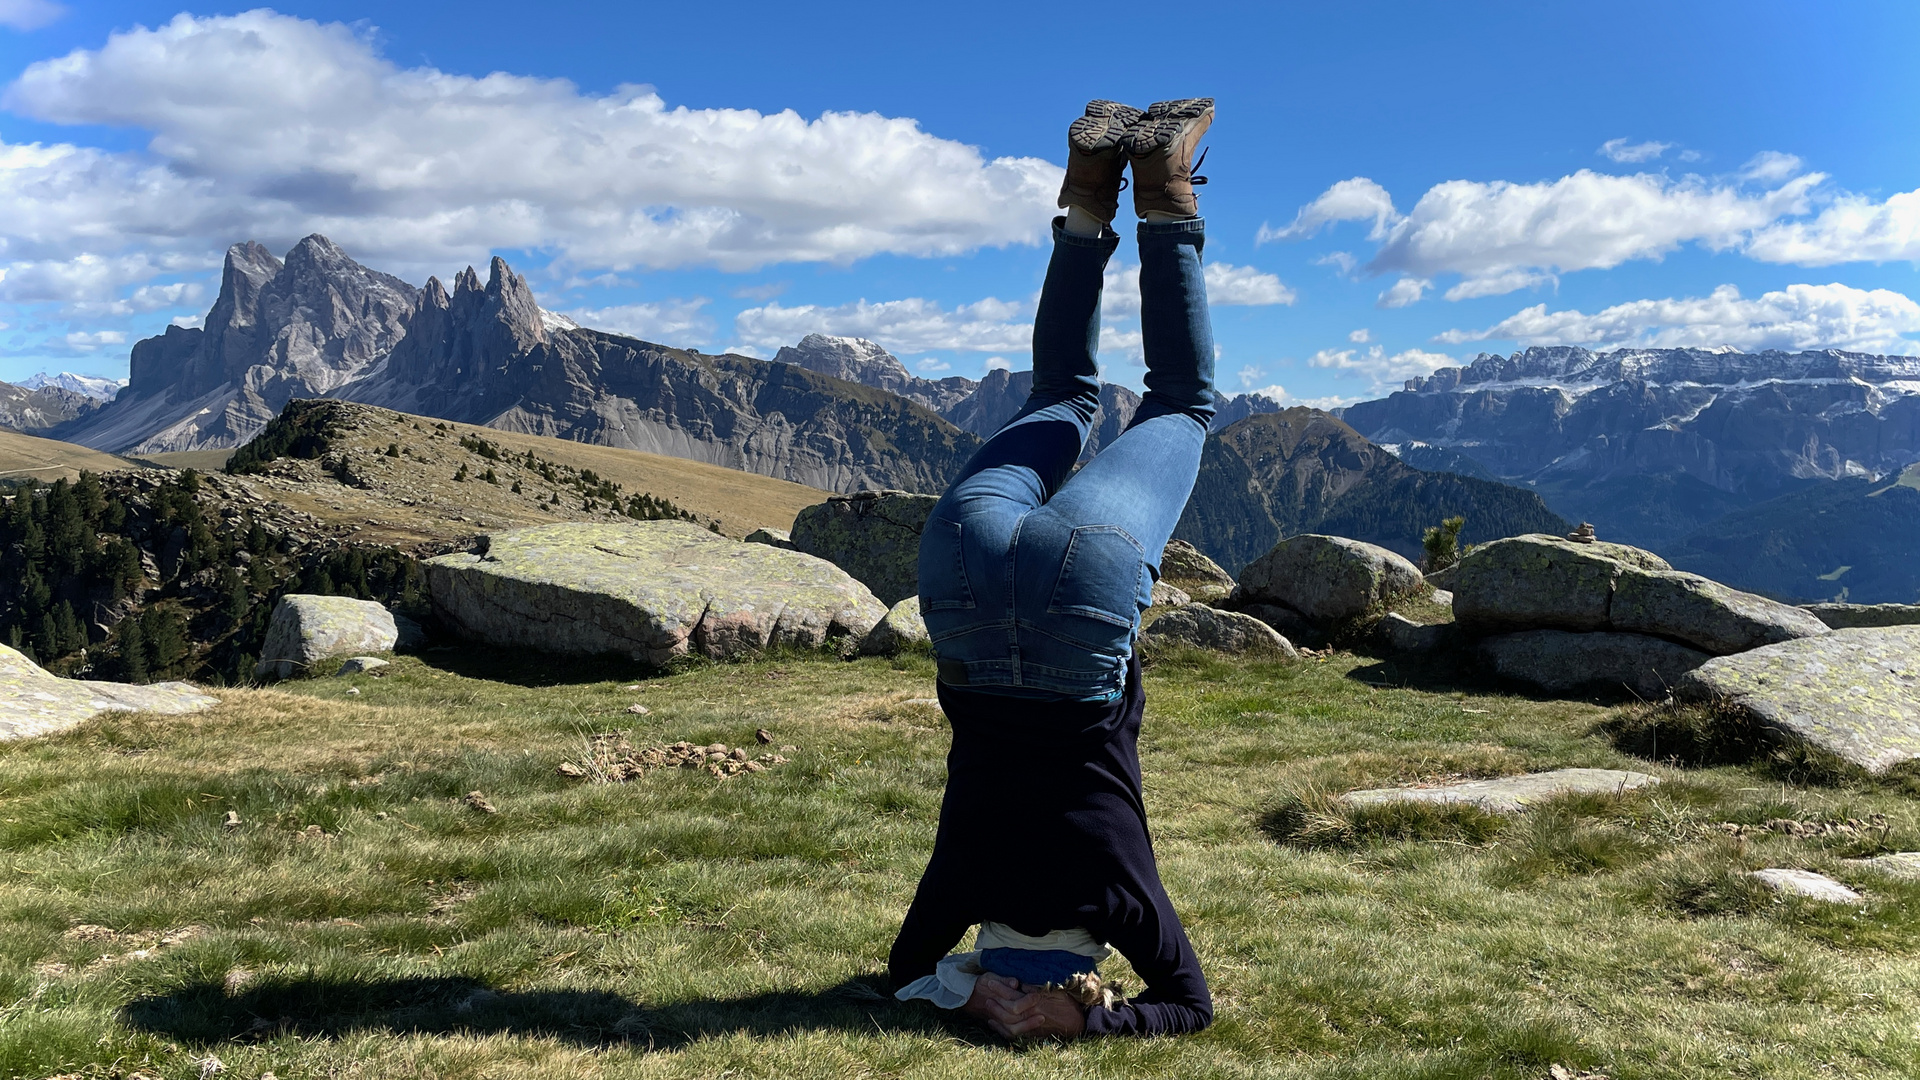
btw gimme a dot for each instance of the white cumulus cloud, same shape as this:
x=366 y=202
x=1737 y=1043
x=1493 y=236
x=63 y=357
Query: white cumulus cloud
x=1797 y=317
x=271 y=127
x=669 y=322
x=1358 y=199
x=1227 y=286
x=1406 y=291
x=29 y=14
x=1852 y=228
x=1632 y=152
x=913 y=325
x=1380 y=368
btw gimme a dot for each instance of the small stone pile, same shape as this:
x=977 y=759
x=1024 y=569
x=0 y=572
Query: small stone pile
x=613 y=760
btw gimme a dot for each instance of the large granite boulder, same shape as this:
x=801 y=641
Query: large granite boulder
x=1543 y=582
x=1221 y=631
x=650 y=590
x=34 y=701
x=1328 y=579
x=1847 y=616
x=772 y=537
x=901 y=629
x=306 y=630
x=1185 y=568
x=1854 y=693
x=1559 y=661
x=873 y=535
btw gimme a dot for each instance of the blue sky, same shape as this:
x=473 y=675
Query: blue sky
x=1395 y=186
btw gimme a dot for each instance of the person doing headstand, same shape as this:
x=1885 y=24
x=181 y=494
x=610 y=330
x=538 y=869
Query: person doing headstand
x=1033 y=578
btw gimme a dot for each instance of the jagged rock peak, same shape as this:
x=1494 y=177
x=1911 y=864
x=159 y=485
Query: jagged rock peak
x=250 y=257
x=850 y=358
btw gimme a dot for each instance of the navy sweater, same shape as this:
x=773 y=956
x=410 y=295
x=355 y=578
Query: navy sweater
x=1043 y=829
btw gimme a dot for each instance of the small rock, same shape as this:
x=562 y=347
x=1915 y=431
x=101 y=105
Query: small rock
x=1584 y=534
x=789 y=749
x=638 y=709
x=1222 y=631
x=902 y=628
x=779 y=538
x=634 y=687
x=358 y=665
x=479 y=802
x=1201 y=578
x=1165 y=595
x=569 y=769
x=354 y=690
x=1806 y=883
x=1900 y=864
x=763 y=736
x=233 y=820
x=717 y=748
x=1442 y=597
x=1510 y=794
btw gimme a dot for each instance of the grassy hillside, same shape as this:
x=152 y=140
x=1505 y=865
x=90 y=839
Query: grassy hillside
x=362 y=917
x=410 y=481
x=25 y=457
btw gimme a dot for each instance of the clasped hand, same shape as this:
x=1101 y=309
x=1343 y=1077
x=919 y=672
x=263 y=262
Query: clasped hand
x=1015 y=1012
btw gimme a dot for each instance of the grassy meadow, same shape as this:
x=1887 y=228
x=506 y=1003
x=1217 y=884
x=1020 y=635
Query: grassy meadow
x=298 y=882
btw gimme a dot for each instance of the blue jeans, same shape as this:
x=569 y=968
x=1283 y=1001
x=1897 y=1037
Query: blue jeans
x=1033 y=576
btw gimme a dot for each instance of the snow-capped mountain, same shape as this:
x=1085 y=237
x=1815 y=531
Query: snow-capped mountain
x=93 y=386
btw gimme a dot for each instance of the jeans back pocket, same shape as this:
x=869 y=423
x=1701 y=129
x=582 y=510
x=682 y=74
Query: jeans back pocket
x=1100 y=576
x=943 y=568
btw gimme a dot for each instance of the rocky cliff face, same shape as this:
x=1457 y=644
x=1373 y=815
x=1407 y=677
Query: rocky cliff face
x=858 y=360
x=1618 y=437
x=1302 y=470
x=39 y=410
x=322 y=325
x=1001 y=394
x=302 y=328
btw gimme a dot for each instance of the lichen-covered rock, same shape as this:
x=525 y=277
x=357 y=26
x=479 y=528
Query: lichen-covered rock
x=1543 y=582
x=1328 y=579
x=873 y=535
x=307 y=629
x=901 y=629
x=1854 y=693
x=34 y=701
x=650 y=590
x=1165 y=595
x=779 y=538
x=1806 y=883
x=1399 y=634
x=1291 y=624
x=1848 y=616
x=1535 y=582
x=1510 y=794
x=1559 y=661
x=1184 y=567
x=1221 y=631
x=1704 y=613
x=360 y=665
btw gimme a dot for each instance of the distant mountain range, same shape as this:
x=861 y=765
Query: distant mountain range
x=93 y=386
x=832 y=412
x=1684 y=450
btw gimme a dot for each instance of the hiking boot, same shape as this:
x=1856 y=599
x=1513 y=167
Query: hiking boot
x=1096 y=160
x=1161 y=147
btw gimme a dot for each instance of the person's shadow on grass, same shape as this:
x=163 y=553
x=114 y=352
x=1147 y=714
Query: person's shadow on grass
x=207 y=1013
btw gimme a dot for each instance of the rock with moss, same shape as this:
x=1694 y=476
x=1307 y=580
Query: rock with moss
x=1169 y=595
x=1562 y=661
x=306 y=630
x=1327 y=579
x=1853 y=693
x=1220 y=631
x=651 y=590
x=903 y=628
x=34 y=701
x=1548 y=583
x=1848 y=616
x=1510 y=794
x=779 y=538
x=873 y=535
x=1183 y=567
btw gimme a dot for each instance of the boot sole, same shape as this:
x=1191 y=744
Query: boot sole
x=1163 y=123
x=1103 y=127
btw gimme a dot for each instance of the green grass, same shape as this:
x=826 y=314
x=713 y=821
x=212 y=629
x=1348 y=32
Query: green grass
x=686 y=926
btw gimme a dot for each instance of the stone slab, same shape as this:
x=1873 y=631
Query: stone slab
x=1805 y=883
x=1900 y=864
x=33 y=701
x=306 y=629
x=1561 y=661
x=1510 y=794
x=1221 y=631
x=1854 y=693
x=1849 y=616
x=650 y=590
